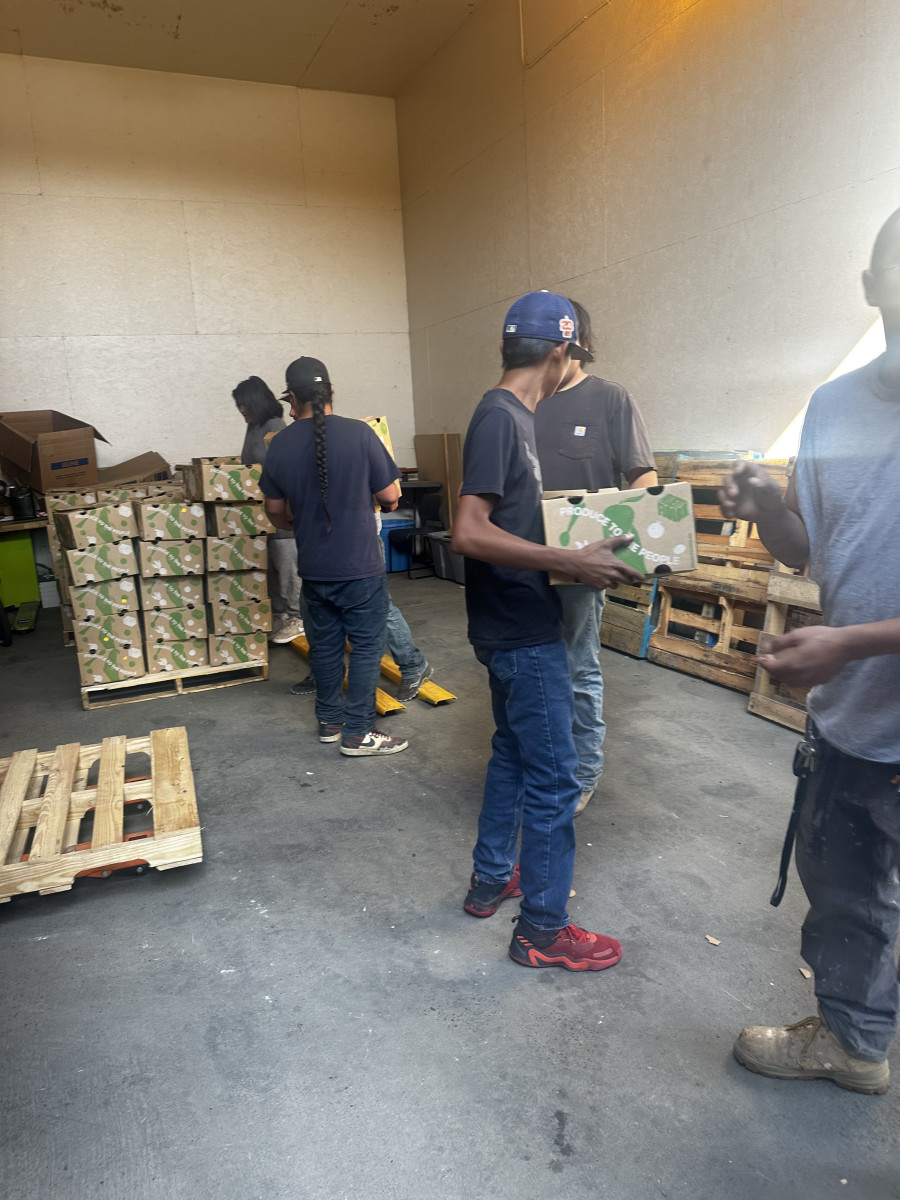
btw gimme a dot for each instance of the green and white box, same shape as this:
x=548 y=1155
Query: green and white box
x=178 y=591
x=235 y=520
x=104 y=599
x=251 y=617
x=175 y=624
x=107 y=560
x=177 y=656
x=85 y=528
x=171 y=520
x=249 y=647
x=111 y=664
x=223 y=479
x=119 y=630
x=236 y=587
x=660 y=520
x=170 y=558
x=236 y=554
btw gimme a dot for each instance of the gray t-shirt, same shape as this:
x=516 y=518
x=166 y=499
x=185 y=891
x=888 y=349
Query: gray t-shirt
x=848 y=486
x=254 y=452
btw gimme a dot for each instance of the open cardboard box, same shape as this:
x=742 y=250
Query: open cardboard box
x=43 y=449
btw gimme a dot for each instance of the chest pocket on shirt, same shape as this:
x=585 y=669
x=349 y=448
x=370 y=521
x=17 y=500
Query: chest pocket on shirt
x=579 y=441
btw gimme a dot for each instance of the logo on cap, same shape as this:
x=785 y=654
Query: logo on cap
x=567 y=327
x=510 y=329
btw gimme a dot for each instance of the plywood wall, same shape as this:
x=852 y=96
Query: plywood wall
x=706 y=177
x=164 y=236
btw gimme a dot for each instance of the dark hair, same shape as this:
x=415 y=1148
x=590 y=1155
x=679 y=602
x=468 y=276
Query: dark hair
x=583 y=322
x=317 y=395
x=258 y=399
x=885 y=234
x=525 y=352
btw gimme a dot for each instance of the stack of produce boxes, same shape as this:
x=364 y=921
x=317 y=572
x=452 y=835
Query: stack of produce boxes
x=239 y=610
x=172 y=561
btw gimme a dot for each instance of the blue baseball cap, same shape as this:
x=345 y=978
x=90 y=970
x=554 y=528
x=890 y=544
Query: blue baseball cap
x=547 y=316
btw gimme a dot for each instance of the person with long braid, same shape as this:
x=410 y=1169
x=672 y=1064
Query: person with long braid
x=344 y=581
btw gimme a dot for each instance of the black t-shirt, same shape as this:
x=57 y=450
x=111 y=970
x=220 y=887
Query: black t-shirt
x=507 y=607
x=590 y=435
x=358 y=465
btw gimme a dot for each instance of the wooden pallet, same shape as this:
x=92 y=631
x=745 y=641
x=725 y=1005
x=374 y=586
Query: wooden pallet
x=63 y=812
x=629 y=618
x=793 y=601
x=707 y=632
x=172 y=683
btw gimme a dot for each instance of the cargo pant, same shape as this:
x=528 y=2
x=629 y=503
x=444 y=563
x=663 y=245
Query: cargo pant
x=848 y=854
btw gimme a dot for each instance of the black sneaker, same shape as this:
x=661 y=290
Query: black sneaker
x=483 y=899
x=330 y=733
x=409 y=688
x=306 y=687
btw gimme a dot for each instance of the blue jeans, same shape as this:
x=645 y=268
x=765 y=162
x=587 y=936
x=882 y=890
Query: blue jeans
x=353 y=611
x=530 y=783
x=405 y=653
x=582 y=610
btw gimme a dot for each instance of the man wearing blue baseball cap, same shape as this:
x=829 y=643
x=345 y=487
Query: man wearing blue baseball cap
x=515 y=626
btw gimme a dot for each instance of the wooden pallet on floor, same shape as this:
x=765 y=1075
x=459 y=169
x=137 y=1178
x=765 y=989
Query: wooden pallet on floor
x=172 y=683
x=793 y=602
x=63 y=812
x=708 y=633
x=629 y=617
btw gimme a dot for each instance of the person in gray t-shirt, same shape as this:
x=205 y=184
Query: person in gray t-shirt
x=839 y=515
x=256 y=403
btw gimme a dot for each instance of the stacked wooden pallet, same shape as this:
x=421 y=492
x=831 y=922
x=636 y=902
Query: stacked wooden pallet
x=629 y=617
x=791 y=603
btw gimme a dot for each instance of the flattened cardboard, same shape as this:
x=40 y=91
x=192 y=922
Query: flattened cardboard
x=107 y=560
x=240 y=618
x=660 y=518
x=236 y=520
x=81 y=529
x=178 y=591
x=171 y=520
x=250 y=647
x=175 y=624
x=177 y=656
x=236 y=554
x=120 y=630
x=111 y=664
x=170 y=558
x=236 y=587
x=94 y=600
x=144 y=468
x=225 y=479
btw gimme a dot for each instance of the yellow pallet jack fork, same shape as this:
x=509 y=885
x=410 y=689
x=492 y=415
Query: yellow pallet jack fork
x=430 y=692
x=384 y=704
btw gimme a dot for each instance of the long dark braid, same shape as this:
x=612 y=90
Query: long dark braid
x=318 y=395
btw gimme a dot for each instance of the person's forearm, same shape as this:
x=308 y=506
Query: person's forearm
x=784 y=535
x=489 y=543
x=871 y=640
x=282 y=521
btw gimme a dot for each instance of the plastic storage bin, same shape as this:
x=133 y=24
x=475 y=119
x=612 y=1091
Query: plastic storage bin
x=395 y=560
x=447 y=563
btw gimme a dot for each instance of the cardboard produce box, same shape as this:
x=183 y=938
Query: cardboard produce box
x=175 y=624
x=178 y=591
x=225 y=479
x=236 y=554
x=111 y=664
x=45 y=449
x=121 y=630
x=250 y=647
x=170 y=558
x=250 y=617
x=660 y=518
x=104 y=599
x=232 y=520
x=177 y=656
x=80 y=529
x=107 y=560
x=234 y=587
x=90 y=497
x=172 y=520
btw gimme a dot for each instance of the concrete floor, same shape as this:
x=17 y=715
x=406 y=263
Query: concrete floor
x=309 y=1013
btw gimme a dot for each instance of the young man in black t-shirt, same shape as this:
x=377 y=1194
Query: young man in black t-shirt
x=589 y=434
x=516 y=630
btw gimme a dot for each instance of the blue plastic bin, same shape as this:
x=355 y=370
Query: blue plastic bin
x=395 y=560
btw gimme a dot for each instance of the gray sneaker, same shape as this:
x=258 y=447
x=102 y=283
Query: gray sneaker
x=373 y=742
x=808 y=1050
x=409 y=688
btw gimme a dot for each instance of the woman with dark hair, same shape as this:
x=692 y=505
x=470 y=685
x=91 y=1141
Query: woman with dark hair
x=256 y=403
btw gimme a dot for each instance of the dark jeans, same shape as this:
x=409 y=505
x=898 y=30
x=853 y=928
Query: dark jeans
x=530 y=783
x=354 y=611
x=848 y=853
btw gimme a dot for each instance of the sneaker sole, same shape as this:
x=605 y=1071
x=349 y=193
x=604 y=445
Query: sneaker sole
x=332 y=737
x=847 y=1083
x=360 y=753
x=489 y=912
x=568 y=964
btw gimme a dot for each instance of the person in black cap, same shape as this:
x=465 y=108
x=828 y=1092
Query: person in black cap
x=515 y=626
x=344 y=582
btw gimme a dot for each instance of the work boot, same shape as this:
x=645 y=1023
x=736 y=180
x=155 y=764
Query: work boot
x=582 y=804
x=808 y=1050
x=483 y=899
x=573 y=948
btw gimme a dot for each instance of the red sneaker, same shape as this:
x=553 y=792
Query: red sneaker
x=573 y=948
x=483 y=899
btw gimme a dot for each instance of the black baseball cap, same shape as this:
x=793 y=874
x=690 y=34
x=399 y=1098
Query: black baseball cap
x=304 y=371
